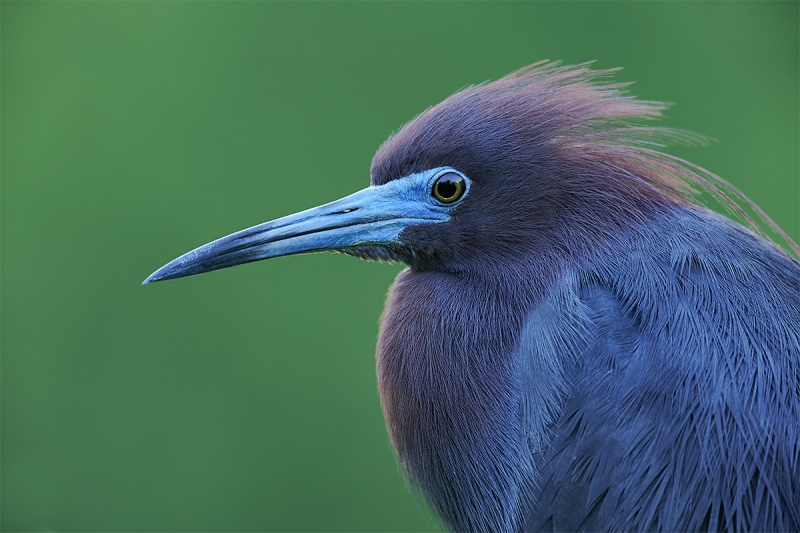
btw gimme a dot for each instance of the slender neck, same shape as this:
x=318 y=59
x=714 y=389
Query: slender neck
x=451 y=393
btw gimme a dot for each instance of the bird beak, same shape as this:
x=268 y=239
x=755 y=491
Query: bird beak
x=373 y=216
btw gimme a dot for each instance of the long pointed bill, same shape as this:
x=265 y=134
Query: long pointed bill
x=373 y=216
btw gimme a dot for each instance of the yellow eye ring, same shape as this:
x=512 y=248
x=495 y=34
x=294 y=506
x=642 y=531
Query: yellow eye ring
x=449 y=187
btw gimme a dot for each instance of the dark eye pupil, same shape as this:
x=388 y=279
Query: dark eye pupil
x=449 y=187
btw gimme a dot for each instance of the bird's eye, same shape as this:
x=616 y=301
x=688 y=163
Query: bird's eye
x=449 y=187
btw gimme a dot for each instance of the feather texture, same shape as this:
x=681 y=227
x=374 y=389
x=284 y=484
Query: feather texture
x=683 y=406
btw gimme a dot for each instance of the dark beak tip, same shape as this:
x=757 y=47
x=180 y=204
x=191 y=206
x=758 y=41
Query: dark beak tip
x=174 y=270
x=151 y=279
x=158 y=275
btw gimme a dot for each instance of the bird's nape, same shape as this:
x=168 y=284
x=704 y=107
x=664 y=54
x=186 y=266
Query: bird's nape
x=577 y=344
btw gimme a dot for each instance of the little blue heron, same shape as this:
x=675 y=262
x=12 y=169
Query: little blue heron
x=577 y=343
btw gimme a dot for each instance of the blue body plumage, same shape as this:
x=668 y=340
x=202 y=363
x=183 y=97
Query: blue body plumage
x=653 y=387
x=576 y=344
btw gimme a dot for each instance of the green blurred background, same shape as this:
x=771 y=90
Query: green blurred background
x=245 y=400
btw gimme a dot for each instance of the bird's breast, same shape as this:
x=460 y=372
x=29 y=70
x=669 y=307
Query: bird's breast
x=451 y=395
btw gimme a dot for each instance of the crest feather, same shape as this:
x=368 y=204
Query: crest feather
x=576 y=110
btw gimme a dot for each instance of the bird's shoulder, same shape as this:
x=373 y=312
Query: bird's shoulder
x=661 y=385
